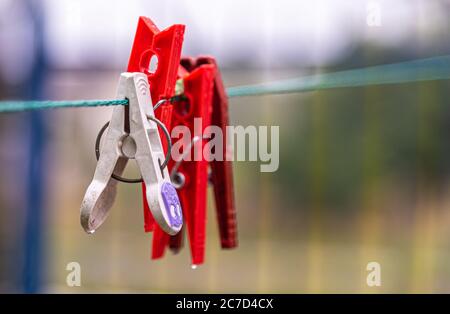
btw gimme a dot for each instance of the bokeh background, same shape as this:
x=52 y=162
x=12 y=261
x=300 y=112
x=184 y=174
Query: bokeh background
x=364 y=172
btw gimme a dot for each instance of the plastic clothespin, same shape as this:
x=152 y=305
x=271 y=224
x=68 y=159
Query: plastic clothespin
x=206 y=99
x=161 y=49
x=132 y=136
x=198 y=87
x=222 y=170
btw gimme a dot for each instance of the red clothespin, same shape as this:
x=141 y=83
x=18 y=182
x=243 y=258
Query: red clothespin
x=222 y=170
x=206 y=99
x=164 y=47
x=198 y=87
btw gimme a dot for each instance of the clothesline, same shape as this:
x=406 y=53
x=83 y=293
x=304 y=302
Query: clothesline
x=429 y=69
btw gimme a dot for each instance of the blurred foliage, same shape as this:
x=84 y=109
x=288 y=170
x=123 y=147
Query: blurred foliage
x=348 y=138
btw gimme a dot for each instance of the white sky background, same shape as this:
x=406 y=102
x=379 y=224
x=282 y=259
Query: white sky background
x=250 y=31
x=258 y=33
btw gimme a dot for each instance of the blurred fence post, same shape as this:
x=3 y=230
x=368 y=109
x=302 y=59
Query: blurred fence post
x=35 y=186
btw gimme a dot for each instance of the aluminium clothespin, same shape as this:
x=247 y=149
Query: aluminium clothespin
x=132 y=136
x=164 y=46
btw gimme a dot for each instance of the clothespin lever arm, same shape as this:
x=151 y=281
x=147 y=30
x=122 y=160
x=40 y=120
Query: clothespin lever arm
x=101 y=193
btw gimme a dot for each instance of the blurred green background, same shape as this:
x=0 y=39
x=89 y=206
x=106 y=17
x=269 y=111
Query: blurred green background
x=364 y=172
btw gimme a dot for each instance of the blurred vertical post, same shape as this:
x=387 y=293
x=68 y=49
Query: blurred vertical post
x=317 y=182
x=425 y=229
x=33 y=246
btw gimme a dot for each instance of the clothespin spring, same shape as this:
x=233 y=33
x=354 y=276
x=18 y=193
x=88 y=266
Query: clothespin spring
x=166 y=134
x=177 y=177
x=174 y=174
x=169 y=100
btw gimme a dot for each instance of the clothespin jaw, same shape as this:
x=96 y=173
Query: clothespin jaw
x=165 y=116
x=165 y=46
x=132 y=136
x=159 y=236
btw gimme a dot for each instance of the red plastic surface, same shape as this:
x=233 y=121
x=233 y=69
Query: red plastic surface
x=166 y=45
x=193 y=194
x=198 y=87
x=222 y=171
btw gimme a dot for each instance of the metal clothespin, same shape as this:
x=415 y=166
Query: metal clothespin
x=133 y=134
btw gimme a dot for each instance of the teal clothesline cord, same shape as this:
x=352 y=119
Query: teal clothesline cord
x=17 y=106
x=430 y=69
